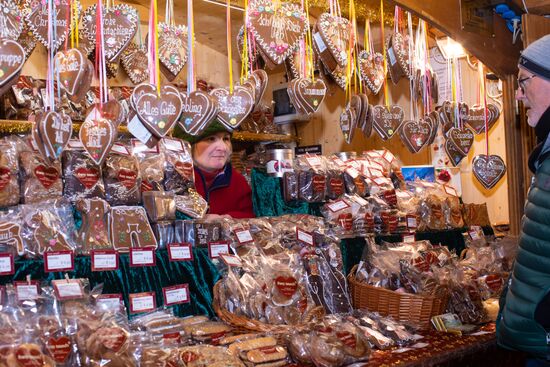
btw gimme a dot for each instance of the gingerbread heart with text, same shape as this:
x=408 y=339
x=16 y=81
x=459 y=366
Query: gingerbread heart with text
x=277 y=27
x=120 y=24
x=55 y=130
x=26 y=40
x=387 y=120
x=454 y=154
x=400 y=49
x=134 y=62
x=310 y=93
x=97 y=135
x=488 y=169
x=198 y=110
x=233 y=108
x=463 y=138
x=172 y=47
x=348 y=123
x=37 y=17
x=253 y=52
x=415 y=134
x=74 y=73
x=159 y=111
x=477 y=115
x=12 y=58
x=337 y=35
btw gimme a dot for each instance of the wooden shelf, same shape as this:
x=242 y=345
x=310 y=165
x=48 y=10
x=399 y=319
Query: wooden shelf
x=22 y=127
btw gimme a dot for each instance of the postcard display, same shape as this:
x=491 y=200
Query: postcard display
x=103 y=245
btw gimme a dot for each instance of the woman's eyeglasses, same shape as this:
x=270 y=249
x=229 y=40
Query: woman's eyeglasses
x=522 y=81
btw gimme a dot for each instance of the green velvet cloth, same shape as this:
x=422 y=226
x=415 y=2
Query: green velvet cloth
x=201 y=275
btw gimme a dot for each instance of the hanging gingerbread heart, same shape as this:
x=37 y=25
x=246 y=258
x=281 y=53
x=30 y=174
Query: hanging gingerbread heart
x=198 y=110
x=172 y=48
x=415 y=134
x=309 y=93
x=463 y=138
x=11 y=20
x=97 y=135
x=362 y=118
x=369 y=122
x=113 y=111
x=26 y=40
x=459 y=113
x=488 y=169
x=260 y=84
x=134 y=61
x=120 y=24
x=434 y=118
x=74 y=73
x=35 y=133
x=36 y=16
x=337 y=36
x=233 y=108
x=371 y=67
x=476 y=117
x=55 y=131
x=453 y=153
x=398 y=53
x=159 y=111
x=11 y=62
x=277 y=27
x=348 y=123
x=293 y=62
x=387 y=120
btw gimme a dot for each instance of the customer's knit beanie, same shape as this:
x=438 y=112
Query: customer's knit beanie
x=536 y=57
x=213 y=128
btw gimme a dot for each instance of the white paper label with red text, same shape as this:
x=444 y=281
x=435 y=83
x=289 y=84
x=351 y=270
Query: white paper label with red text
x=180 y=252
x=7 y=266
x=142 y=302
x=58 y=261
x=215 y=249
x=176 y=294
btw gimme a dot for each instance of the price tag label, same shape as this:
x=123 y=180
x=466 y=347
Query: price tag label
x=25 y=291
x=7 y=266
x=143 y=257
x=408 y=238
x=411 y=222
x=173 y=144
x=58 y=261
x=111 y=301
x=474 y=236
x=120 y=149
x=67 y=289
x=176 y=294
x=304 y=237
x=381 y=181
x=104 y=260
x=388 y=156
x=353 y=172
x=338 y=161
x=142 y=302
x=231 y=260
x=337 y=206
x=244 y=236
x=314 y=161
x=215 y=249
x=180 y=252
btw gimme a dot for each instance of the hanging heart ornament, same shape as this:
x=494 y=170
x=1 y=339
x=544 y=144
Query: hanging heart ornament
x=476 y=117
x=387 y=120
x=337 y=35
x=415 y=134
x=75 y=73
x=120 y=24
x=10 y=19
x=488 y=169
x=233 y=108
x=277 y=27
x=157 y=110
x=134 y=62
x=36 y=17
x=55 y=130
x=371 y=67
x=463 y=139
x=172 y=47
x=12 y=58
x=198 y=110
x=308 y=94
x=97 y=135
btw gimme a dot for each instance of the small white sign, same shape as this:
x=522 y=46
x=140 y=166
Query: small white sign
x=6 y=264
x=304 y=237
x=104 y=260
x=337 y=206
x=142 y=302
x=142 y=257
x=180 y=252
x=244 y=236
x=215 y=249
x=110 y=301
x=26 y=292
x=68 y=289
x=408 y=238
x=58 y=261
x=176 y=294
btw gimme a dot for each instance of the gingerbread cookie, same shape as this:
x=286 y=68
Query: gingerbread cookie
x=129 y=228
x=10 y=233
x=93 y=233
x=40 y=180
x=27 y=355
x=178 y=166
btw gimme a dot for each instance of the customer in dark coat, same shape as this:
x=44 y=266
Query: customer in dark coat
x=524 y=319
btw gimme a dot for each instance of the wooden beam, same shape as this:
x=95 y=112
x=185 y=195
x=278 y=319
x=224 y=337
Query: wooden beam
x=516 y=163
x=496 y=51
x=536 y=7
x=534 y=27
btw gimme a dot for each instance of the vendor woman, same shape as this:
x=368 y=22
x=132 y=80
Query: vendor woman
x=226 y=190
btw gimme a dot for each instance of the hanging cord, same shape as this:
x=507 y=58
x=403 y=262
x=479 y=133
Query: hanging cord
x=191 y=84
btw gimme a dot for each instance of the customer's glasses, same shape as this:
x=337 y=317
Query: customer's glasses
x=522 y=81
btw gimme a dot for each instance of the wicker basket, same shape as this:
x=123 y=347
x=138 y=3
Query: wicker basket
x=243 y=324
x=401 y=306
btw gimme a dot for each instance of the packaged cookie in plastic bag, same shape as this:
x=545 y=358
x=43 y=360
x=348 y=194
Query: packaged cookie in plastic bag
x=312 y=180
x=452 y=208
x=40 y=179
x=48 y=226
x=81 y=176
x=290 y=186
x=9 y=168
x=178 y=166
x=151 y=166
x=335 y=181
x=122 y=177
x=340 y=215
x=11 y=240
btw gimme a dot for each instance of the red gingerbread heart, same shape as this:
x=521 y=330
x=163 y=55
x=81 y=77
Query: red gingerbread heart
x=5 y=174
x=286 y=285
x=59 y=348
x=46 y=175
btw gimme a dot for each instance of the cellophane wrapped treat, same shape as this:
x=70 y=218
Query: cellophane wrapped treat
x=93 y=233
x=11 y=239
x=40 y=178
x=151 y=166
x=312 y=180
x=178 y=166
x=122 y=177
x=81 y=176
x=48 y=226
x=9 y=168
